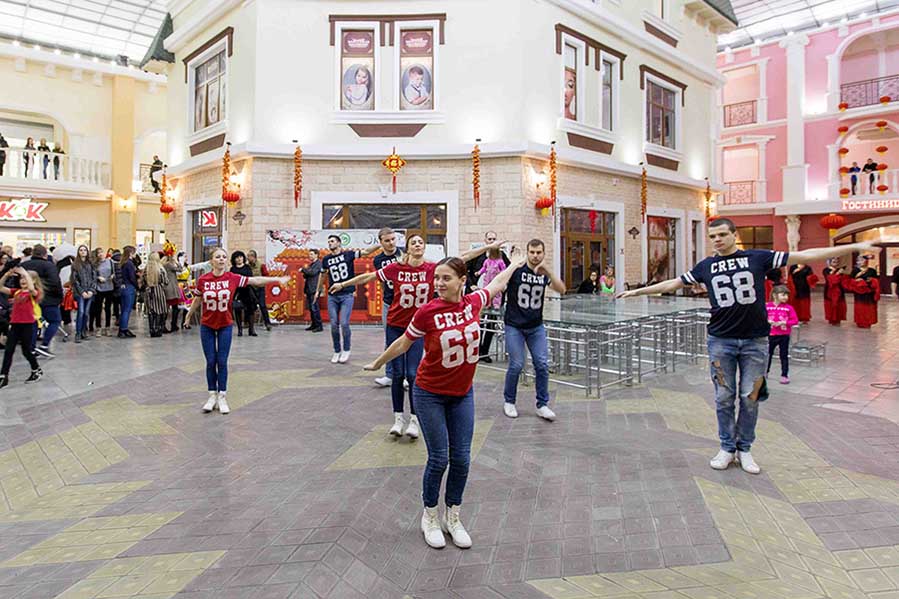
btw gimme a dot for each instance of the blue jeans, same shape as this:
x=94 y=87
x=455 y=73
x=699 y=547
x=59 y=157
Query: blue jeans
x=535 y=338
x=447 y=424
x=128 y=294
x=84 y=313
x=53 y=317
x=216 y=348
x=404 y=367
x=750 y=358
x=340 y=307
x=387 y=342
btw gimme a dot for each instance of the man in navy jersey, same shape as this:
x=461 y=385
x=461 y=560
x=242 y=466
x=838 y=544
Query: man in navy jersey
x=739 y=329
x=524 y=326
x=339 y=265
x=389 y=254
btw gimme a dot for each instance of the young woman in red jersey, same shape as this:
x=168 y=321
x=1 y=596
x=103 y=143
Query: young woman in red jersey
x=215 y=295
x=444 y=401
x=413 y=286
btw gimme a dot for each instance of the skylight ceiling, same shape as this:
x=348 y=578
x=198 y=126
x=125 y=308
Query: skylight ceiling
x=764 y=19
x=103 y=27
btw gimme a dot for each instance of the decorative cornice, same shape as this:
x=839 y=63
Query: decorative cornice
x=186 y=32
x=70 y=62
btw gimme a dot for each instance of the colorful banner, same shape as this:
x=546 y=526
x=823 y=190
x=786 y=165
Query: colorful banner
x=287 y=251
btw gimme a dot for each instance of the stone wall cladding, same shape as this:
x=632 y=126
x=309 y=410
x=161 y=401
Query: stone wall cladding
x=507 y=197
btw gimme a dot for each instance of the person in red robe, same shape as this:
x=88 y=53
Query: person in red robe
x=773 y=278
x=865 y=284
x=803 y=279
x=834 y=294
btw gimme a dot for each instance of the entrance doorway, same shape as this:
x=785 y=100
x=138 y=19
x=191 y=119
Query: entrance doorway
x=887 y=259
x=206 y=232
x=588 y=243
x=661 y=262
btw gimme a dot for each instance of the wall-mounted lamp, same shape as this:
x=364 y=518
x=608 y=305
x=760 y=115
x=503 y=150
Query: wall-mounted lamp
x=538 y=179
x=124 y=204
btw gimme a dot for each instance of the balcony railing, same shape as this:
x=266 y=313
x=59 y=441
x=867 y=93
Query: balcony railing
x=33 y=165
x=741 y=113
x=869 y=91
x=740 y=192
x=865 y=190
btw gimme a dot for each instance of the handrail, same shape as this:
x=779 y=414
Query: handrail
x=868 y=92
x=740 y=113
x=740 y=192
x=38 y=165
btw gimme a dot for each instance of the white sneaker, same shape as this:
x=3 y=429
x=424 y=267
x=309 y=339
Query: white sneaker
x=545 y=413
x=430 y=526
x=510 y=410
x=722 y=460
x=344 y=357
x=211 y=402
x=335 y=358
x=747 y=463
x=383 y=381
x=223 y=403
x=405 y=384
x=398 y=423
x=412 y=431
x=453 y=525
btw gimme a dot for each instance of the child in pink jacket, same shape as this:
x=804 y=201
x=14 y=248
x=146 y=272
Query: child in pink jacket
x=781 y=317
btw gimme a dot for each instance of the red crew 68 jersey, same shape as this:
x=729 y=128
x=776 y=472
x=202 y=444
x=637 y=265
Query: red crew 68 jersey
x=217 y=295
x=452 y=334
x=413 y=287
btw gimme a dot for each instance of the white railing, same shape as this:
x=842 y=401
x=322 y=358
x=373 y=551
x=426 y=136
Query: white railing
x=889 y=177
x=34 y=165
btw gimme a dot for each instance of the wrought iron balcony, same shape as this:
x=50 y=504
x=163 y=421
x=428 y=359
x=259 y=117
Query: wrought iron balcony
x=740 y=192
x=741 y=113
x=869 y=91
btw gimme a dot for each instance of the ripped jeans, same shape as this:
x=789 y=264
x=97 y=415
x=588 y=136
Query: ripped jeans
x=750 y=358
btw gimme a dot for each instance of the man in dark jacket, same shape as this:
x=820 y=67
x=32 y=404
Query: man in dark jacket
x=47 y=271
x=310 y=288
x=3 y=144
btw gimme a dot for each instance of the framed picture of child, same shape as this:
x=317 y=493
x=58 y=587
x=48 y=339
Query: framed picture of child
x=200 y=107
x=417 y=69
x=212 y=99
x=357 y=78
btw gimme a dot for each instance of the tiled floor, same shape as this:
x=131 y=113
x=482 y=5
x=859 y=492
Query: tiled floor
x=114 y=484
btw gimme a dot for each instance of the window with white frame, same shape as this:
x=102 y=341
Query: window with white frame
x=661 y=115
x=569 y=91
x=416 y=69
x=608 y=108
x=209 y=90
x=357 y=69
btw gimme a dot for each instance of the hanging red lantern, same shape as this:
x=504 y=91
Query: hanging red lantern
x=226 y=170
x=881 y=125
x=843 y=151
x=166 y=209
x=832 y=222
x=844 y=192
x=881 y=149
x=593 y=215
x=843 y=130
x=843 y=106
x=297 y=175
x=882 y=166
x=543 y=205
x=553 y=176
x=885 y=99
x=882 y=188
x=844 y=170
x=231 y=196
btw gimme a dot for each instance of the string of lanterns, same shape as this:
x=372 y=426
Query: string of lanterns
x=297 y=175
x=476 y=174
x=164 y=207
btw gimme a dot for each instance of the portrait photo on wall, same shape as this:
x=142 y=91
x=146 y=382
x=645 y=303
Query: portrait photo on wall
x=357 y=78
x=417 y=68
x=570 y=94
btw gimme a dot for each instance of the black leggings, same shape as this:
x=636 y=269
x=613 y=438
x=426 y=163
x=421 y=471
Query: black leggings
x=783 y=342
x=176 y=312
x=102 y=306
x=20 y=333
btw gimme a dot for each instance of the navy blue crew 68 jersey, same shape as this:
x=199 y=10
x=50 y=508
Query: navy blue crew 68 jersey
x=736 y=285
x=524 y=298
x=341 y=267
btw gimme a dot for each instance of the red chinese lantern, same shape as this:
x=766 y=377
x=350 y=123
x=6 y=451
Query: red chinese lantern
x=231 y=196
x=166 y=209
x=843 y=129
x=843 y=151
x=844 y=170
x=885 y=99
x=844 y=192
x=843 y=106
x=882 y=188
x=882 y=166
x=543 y=205
x=881 y=149
x=594 y=216
x=881 y=125
x=832 y=222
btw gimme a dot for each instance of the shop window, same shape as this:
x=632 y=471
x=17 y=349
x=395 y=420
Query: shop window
x=662 y=249
x=208 y=79
x=83 y=237
x=358 y=76
x=661 y=115
x=417 y=78
x=587 y=243
x=206 y=232
x=427 y=220
x=755 y=238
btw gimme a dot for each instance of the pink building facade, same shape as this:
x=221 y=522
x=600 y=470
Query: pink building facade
x=797 y=115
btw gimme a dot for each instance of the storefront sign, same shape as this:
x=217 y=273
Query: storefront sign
x=209 y=219
x=23 y=210
x=857 y=205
